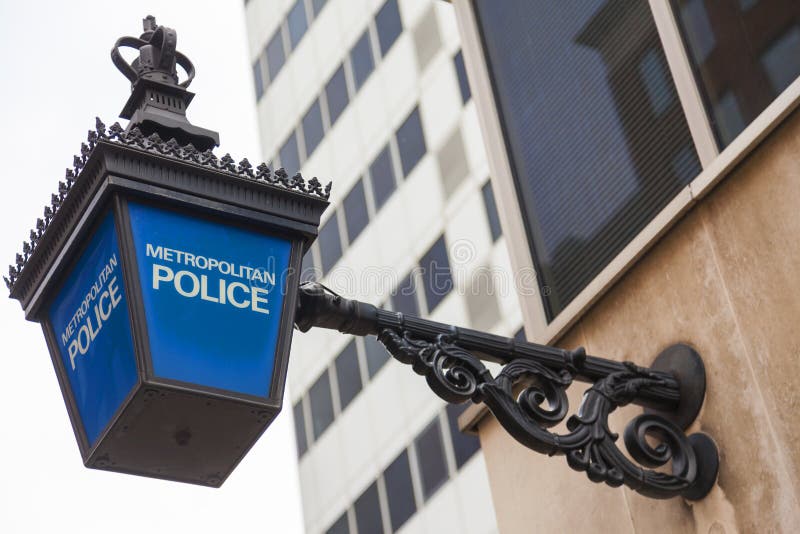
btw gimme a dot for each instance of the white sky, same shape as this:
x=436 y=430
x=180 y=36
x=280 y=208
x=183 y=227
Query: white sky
x=56 y=77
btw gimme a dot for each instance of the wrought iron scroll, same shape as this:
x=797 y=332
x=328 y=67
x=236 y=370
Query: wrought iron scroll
x=456 y=375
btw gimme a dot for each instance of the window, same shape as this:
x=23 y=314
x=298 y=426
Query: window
x=430 y=455
x=461 y=74
x=361 y=60
x=275 y=55
x=377 y=355
x=290 y=157
x=519 y=335
x=389 y=25
x=297 y=23
x=453 y=164
x=404 y=299
x=491 y=211
x=258 y=80
x=400 y=491
x=308 y=272
x=480 y=298
x=348 y=374
x=317 y=6
x=427 y=41
x=355 y=211
x=381 y=172
x=656 y=82
x=744 y=56
x=411 y=142
x=597 y=139
x=464 y=445
x=313 y=131
x=729 y=119
x=336 y=92
x=436 y=275
x=321 y=404
x=330 y=244
x=300 y=428
x=340 y=526
x=780 y=60
x=368 y=511
x=699 y=34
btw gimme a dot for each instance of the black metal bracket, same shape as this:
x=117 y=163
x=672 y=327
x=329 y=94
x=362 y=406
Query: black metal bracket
x=528 y=395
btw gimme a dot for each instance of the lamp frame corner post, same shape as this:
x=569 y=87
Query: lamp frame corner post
x=451 y=360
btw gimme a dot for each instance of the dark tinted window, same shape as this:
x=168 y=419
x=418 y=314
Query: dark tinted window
x=300 y=428
x=377 y=355
x=404 y=299
x=400 y=491
x=348 y=374
x=491 y=211
x=382 y=174
x=389 y=25
x=519 y=335
x=361 y=60
x=336 y=91
x=744 y=53
x=321 y=404
x=464 y=445
x=307 y=269
x=340 y=526
x=355 y=211
x=436 y=275
x=275 y=55
x=330 y=245
x=297 y=22
x=317 y=5
x=430 y=455
x=258 y=80
x=313 y=131
x=595 y=131
x=368 y=511
x=410 y=142
x=290 y=157
x=461 y=73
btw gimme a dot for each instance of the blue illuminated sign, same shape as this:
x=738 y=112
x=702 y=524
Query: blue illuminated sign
x=213 y=296
x=92 y=329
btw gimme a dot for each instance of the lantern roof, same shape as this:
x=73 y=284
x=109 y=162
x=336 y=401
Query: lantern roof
x=157 y=132
x=169 y=152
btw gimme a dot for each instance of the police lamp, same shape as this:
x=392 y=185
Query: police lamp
x=165 y=281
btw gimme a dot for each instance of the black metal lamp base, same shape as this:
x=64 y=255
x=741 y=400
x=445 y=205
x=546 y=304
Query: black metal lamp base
x=686 y=365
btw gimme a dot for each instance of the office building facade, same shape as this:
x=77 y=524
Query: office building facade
x=373 y=95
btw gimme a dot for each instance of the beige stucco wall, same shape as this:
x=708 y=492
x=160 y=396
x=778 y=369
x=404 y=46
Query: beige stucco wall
x=726 y=280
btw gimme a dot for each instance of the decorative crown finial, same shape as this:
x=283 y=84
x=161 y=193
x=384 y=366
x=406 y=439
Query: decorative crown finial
x=158 y=56
x=159 y=99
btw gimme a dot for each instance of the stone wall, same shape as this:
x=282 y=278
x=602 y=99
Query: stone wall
x=726 y=280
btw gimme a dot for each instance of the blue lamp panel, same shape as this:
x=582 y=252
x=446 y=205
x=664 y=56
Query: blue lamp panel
x=213 y=297
x=89 y=316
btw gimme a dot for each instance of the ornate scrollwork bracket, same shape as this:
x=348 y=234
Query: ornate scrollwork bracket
x=528 y=395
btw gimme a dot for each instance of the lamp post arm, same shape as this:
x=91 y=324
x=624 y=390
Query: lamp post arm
x=322 y=309
x=528 y=395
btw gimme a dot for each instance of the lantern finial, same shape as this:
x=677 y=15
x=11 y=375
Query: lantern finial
x=158 y=98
